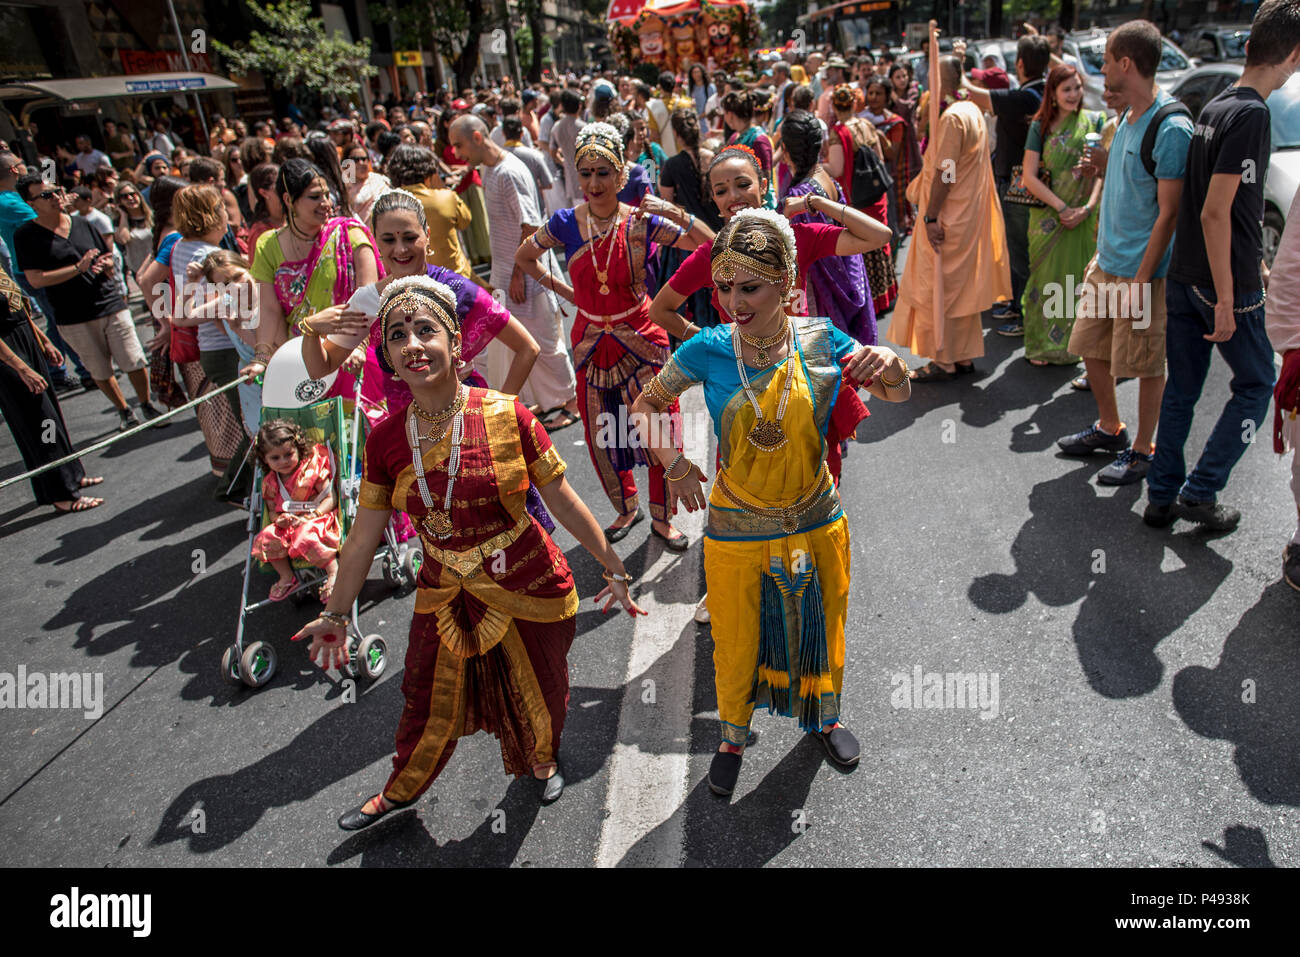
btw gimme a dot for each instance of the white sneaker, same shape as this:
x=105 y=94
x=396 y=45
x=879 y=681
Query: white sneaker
x=702 y=610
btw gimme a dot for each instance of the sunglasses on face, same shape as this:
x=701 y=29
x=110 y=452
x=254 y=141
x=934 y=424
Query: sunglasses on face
x=50 y=193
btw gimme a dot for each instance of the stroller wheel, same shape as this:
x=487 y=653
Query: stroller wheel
x=392 y=572
x=372 y=656
x=411 y=563
x=230 y=665
x=257 y=665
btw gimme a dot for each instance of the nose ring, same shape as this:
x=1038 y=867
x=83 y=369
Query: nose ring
x=407 y=351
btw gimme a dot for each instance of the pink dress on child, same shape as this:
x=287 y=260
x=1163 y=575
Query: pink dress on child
x=315 y=540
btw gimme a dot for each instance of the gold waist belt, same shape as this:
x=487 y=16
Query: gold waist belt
x=787 y=515
x=469 y=563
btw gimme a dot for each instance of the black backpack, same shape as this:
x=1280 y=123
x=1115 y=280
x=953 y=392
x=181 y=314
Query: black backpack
x=871 y=179
x=1172 y=108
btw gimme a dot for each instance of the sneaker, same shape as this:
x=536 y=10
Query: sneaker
x=1013 y=328
x=1159 y=516
x=1215 y=517
x=1093 y=439
x=1128 y=467
x=129 y=420
x=1291 y=565
x=152 y=412
x=88 y=383
x=65 y=385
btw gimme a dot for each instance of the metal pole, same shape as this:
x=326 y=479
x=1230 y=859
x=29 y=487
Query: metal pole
x=185 y=56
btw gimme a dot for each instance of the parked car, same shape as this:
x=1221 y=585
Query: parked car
x=1217 y=42
x=1283 y=178
x=1089 y=47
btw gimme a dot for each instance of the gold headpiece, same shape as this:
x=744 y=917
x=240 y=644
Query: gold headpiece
x=730 y=259
x=411 y=299
x=601 y=139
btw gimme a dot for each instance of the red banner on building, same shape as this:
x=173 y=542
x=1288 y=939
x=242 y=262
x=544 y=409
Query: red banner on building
x=143 y=61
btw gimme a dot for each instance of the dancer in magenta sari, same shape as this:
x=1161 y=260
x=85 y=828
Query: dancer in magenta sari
x=616 y=348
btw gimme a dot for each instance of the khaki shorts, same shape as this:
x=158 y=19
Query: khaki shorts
x=1120 y=322
x=103 y=341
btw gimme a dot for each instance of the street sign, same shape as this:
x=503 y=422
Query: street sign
x=166 y=86
x=408 y=58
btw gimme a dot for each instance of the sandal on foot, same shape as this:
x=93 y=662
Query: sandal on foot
x=841 y=746
x=613 y=534
x=357 y=818
x=87 y=481
x=280 y=590
x=931 y=373
x=678 y=544
x=965 y=368
x=1037 y=363
x=80 y=505
x=562 y=419
x=326 y=591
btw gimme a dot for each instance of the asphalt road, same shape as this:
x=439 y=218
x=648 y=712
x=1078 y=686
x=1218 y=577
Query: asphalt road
x=1139 y=699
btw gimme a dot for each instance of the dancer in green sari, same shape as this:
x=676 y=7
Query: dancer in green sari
x=1062 y=234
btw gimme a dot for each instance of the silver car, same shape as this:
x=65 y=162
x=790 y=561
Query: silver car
x=1089 y=48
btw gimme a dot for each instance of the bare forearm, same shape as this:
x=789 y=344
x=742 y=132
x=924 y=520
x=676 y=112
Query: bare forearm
x=1161 y=233
x=42 y=278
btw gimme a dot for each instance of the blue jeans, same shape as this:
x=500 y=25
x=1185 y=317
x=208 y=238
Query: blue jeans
x=1250 y=357
x=1016 y=218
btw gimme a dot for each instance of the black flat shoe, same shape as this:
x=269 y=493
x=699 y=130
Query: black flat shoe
x=842 y=746
x=357 y=818
x=678 y=544
x=724 y=772
x=550 y=789
x=618 y=534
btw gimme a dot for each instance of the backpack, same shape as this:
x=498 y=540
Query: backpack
x=1172 y=108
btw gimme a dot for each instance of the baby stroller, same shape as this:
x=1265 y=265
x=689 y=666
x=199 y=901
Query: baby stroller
x=325 y=421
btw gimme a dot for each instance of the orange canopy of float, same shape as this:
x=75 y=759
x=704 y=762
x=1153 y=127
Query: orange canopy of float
x=625 y=11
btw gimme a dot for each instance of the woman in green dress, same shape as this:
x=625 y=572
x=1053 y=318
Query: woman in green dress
x=1062 y=233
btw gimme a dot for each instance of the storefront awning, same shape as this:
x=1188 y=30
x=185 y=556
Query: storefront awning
x=108 y=87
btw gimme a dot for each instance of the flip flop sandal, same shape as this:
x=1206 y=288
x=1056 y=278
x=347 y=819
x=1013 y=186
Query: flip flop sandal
x=326 y=592
x=561 y=421
x=280 y=590
x=932 y=373
x=80 y=505
x=88 y=482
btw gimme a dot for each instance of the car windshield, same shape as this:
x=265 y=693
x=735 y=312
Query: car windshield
x=1234 y=44
x=1093 y=52
x=1284 y=116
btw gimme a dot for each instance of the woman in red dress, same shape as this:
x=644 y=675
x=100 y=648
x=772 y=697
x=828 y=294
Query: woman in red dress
x=616 y=348
x=495 y=605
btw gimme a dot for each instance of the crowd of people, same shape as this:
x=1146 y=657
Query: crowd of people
x=717 y=230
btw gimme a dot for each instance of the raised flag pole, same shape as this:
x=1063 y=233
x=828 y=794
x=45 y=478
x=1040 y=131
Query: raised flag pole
x=936 y=94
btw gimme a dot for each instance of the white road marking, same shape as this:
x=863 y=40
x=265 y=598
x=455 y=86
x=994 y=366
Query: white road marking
x=648 y=770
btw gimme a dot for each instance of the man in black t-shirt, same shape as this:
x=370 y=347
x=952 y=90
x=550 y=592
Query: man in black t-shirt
x=1215 y=290
x=68 y=258
x=1013 y=111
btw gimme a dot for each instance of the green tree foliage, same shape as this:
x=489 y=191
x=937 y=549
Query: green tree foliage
x=295 y=50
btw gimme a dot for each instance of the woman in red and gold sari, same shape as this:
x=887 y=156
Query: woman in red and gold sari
x=495 y=606
x=616 y=348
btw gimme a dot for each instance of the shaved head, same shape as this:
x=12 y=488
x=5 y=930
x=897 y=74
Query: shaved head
x=950 y=73
x=469 y=147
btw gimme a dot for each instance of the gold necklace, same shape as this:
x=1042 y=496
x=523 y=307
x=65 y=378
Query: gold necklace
x=437 y=418
x=761 y=358
x=602 y=274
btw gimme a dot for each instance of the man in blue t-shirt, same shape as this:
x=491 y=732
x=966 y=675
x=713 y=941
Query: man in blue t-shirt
x=1119 y=326
x=1216 y=281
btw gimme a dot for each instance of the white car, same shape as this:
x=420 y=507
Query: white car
x=1089 y=48
x=1283 y=178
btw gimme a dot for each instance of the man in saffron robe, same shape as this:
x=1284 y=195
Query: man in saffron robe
x=964 y=227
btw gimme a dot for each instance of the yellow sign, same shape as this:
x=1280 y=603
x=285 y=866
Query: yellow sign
x=408 y=58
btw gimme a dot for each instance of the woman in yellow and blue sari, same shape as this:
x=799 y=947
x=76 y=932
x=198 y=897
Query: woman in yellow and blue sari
x=776 y=548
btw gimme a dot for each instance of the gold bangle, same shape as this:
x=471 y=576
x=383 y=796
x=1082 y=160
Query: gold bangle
x=305 y=328
x=901 y=379
x=612 y=577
